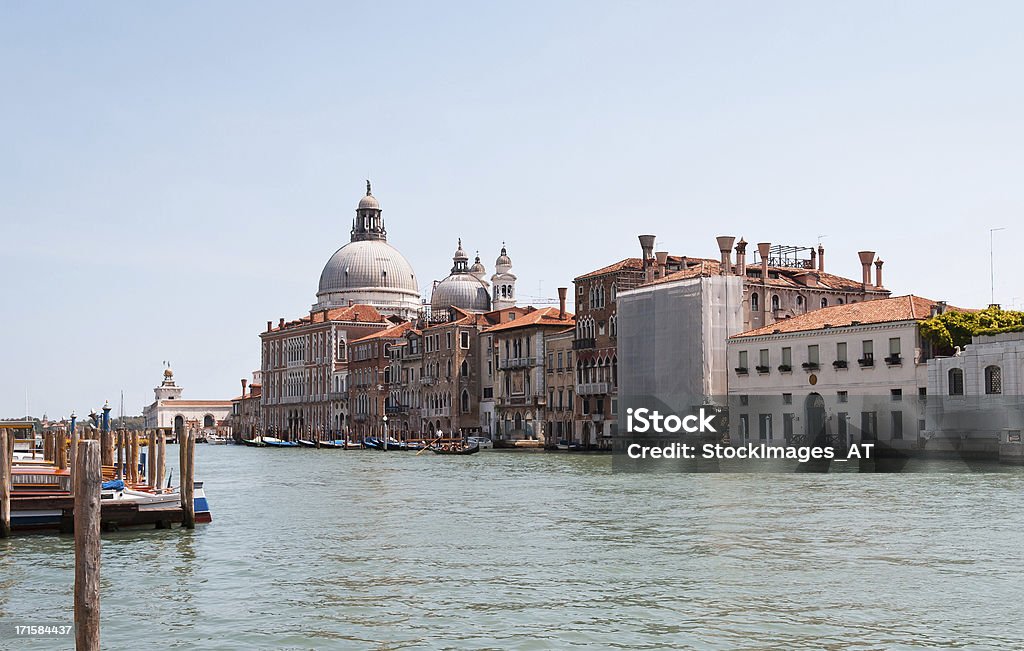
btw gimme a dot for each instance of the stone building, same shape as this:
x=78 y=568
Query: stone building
x=246 y=416
x=839 y=375
x=520 y=388
x=560 y=382
x=170 y=411
x=372 y=381
x=305 y=365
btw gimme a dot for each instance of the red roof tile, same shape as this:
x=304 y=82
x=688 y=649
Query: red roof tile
x=387 y=333
x=545 y=316
x=880 y=310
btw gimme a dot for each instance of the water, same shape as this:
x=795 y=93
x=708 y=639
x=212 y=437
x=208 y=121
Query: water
x=328 y=549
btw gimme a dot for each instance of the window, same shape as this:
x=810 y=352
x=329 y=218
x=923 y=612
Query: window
x=897 y=425
x=787 y=356
x=464 y=371
x=894 y=345
x=869 y=424
x=812 y=355
x=464 y=339
x=896 y=394
x=993 y=380
x=754 y=306
x=956 y=382
x=448 y=339
x=551 y=362
x=824 y=302
x=842 y=396
x=841 y=351
x=745 y=426
x=764 y=357
x=841 y=422
x=799 y=301
x=764 y=422
x=787 y=398
x=776 y=303
x=743 y=359
x=787 y=427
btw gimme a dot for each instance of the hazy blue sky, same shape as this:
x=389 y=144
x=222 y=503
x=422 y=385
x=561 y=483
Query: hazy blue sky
x=173 y=175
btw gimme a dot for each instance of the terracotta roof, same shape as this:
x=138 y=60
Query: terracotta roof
x=631 y=264
x=358 y=313
x=545 y=316
x=387 y=333
x=879 y=310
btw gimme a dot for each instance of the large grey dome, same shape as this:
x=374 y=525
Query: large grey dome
x=368 y=270
x=367 y=264
x=463 y=290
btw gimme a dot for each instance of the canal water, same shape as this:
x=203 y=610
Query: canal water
x=330 y=549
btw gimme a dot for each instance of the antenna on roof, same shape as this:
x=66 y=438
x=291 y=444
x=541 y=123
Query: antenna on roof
x=819 y=239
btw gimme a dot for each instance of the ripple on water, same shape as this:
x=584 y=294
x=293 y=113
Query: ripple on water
x=329 y=549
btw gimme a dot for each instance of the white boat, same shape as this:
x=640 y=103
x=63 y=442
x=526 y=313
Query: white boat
x=482 y=441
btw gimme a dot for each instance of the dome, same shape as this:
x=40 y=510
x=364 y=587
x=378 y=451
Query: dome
x=369 y=202
x=367 y=264
x=478 y=268
x=462 y=290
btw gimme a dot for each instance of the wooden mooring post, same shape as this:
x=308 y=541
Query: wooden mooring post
x=187 y=467
x=136 y=457
x=88 y=477
x=6 y=461
x=62 y=451
x=74 y=456
x=161 y=459
x=150 y=458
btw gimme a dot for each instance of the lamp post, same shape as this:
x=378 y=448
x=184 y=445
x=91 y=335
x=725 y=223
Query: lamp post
x=384 y=419
x=992 y=260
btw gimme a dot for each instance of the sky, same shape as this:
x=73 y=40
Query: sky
x=174 y=175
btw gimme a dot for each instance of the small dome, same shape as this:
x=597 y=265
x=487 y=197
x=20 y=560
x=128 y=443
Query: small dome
x=462 y=290
x=503 y=259
x=168 y=372
x=459 y=253
x=478 y=268
x=369 y=202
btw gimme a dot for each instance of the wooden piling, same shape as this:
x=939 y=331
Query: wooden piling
x=161 y=459
x=150 y=458
x=107 y=448
x=187 y=457
x=74 y=456
x=136 y=457
x=6 y=461
x=87 y=546
x=62 y=451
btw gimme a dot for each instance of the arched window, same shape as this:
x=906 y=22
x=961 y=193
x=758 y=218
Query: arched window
x=840 y=301
x=754 y=302
x=799 y=301
x=956 y=382
x=776 y=303
x=465 y=401
x=993 y=380
x=824 y=302
x=208 y=420
x=465 y=368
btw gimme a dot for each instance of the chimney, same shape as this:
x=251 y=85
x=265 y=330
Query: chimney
x=662 y=258
x=814 y=259
x=280 y=324
x=270 y=324
x=741 y=258
x=647 y=246
x=878 y=273
x=725 y=243
x=866 y=257
x=244 y=383
x=763 y=250
x=821 y=258
x=561 y=303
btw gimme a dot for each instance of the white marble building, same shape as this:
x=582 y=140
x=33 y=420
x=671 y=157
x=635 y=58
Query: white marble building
x=169 y=410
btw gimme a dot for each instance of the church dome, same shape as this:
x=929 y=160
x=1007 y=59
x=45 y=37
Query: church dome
x=462 y=290
x=368 y=270
x=367 y=264
x=478 y=269
x=503 y=259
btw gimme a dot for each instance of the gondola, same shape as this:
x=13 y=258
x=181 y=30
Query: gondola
x=473 y=449
x=306 y=444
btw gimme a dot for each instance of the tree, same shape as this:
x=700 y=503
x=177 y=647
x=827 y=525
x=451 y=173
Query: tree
x=952 y=328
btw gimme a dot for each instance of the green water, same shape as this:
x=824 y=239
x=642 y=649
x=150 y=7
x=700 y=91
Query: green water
x=330 y=549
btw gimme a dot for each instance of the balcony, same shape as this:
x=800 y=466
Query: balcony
x=518 y=362
x=840 y=363
x=582 y=344
x=428 y=381
x=811 y=366
x=396 y=409
x=593 y=389
x=512 y=401
x=785 y=368
x=742 y=370
x=894 y=360
x=763 y=370
x=867 y=361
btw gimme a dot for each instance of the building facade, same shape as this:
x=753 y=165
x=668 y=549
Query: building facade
x=560 y=381
x=170 y=411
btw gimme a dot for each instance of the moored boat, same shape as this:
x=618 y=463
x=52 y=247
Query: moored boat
x=456 y=449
